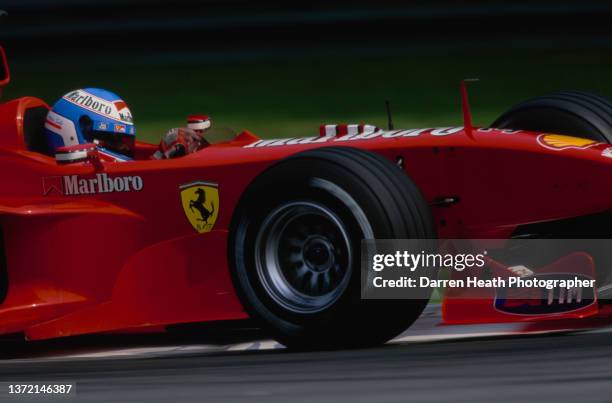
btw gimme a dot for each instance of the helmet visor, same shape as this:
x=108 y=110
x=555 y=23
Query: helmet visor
x=117 y=142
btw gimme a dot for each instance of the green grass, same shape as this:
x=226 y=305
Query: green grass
x=276 y=98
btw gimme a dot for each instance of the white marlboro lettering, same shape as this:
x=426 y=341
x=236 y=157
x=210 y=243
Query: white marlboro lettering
x=367 y=134
x=309 y=140
x=363 y=136
x=73 y=185
x=445 y=131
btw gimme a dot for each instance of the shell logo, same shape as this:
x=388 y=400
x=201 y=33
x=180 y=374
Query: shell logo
x=563 y=142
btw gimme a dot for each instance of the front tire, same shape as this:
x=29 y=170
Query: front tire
x=295 y=241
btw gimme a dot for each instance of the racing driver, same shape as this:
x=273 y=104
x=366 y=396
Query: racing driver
x=98 y=116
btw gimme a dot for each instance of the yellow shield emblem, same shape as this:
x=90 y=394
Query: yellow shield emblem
x=200 y=202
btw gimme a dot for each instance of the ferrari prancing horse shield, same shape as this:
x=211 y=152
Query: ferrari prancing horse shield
x=200 y=202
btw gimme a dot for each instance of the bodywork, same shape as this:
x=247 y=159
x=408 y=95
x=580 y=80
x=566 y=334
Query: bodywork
x=82 y=256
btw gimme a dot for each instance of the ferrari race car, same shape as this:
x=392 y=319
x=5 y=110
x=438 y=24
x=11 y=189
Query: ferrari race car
x=270 y=229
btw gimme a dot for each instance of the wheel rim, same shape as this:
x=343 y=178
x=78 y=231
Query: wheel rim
x=303 y=256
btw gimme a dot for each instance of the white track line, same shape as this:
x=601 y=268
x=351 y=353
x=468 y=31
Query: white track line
x=426 y=329
x=273 y=345
x=459 y=336
x=123 y=352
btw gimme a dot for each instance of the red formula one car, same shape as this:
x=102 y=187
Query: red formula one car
x=271 y=229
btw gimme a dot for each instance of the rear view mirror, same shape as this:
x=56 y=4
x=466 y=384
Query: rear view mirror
x=5 y=75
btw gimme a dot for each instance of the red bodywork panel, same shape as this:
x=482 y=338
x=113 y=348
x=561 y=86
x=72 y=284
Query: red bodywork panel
x=116 y=260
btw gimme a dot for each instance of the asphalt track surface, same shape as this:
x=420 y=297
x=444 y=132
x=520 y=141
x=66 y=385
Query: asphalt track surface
x=494 y=364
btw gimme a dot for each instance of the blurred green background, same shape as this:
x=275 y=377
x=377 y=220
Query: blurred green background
x=260 y=74
x=275 y=98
